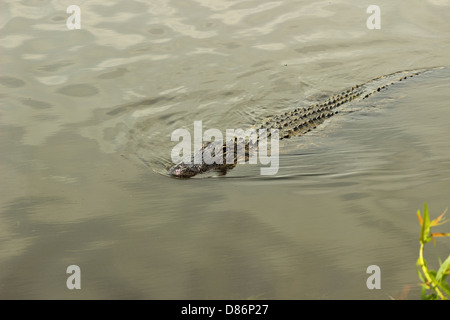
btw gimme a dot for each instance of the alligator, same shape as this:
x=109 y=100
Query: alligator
x=296 y=122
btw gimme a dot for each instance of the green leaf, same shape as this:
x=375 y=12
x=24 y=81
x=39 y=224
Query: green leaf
x=419 y=272
x=423 y=293
x=432 y=275
x=443 y=269
x=425 y=230
x=420 y=275
x=432 y=296
x=445 y=287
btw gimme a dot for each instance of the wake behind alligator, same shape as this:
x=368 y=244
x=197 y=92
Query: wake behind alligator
x=296 y=122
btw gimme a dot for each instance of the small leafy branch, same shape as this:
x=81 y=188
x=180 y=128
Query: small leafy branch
x=432 y=281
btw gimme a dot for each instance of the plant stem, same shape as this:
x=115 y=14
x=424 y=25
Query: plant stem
x=427 y=276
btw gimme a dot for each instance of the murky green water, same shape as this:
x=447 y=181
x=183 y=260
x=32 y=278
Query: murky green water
x=85 y=123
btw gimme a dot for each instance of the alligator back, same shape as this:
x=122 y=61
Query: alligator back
x=302 y=120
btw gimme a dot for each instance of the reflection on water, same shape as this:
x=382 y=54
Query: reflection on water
x=85 y=125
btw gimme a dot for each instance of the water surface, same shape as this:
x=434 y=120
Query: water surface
x=85 y=123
